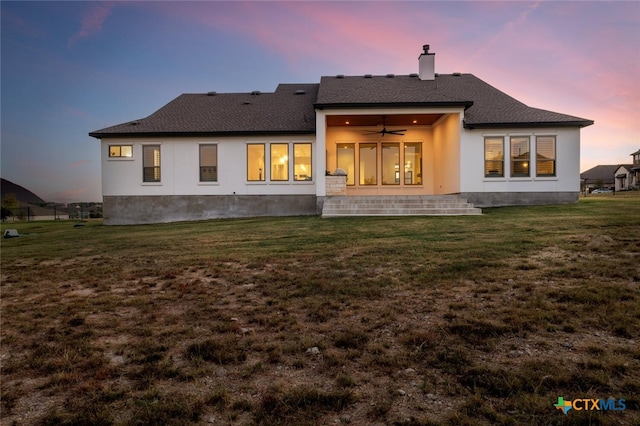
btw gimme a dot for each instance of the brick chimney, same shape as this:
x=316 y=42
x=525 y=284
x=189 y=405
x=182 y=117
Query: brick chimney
x=426 y=64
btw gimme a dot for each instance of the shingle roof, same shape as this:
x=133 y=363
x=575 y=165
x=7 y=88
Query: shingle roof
x=290 y=109
x=485 y=105
x=383 y=91
x=604 y=173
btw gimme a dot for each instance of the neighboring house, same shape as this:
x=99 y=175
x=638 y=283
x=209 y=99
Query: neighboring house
x=627 y=175
x=635 y=171
x=618 y=177
x=398 y=139
x=599 y=177
x=624 y=177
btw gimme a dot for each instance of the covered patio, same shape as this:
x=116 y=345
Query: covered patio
x=388 y=152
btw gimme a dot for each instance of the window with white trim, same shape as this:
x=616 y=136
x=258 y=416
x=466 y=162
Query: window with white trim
x=302 y=162
x=545 y=156
x=255 y=162
x=151 y=163
x=120 y=151
x=279 y=161
x=520 y=158
x=494 y=156
x=209 y=163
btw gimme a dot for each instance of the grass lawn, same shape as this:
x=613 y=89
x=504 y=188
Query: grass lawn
x=476 y=320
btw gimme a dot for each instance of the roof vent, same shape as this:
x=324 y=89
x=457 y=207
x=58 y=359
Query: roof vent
x=414 y=75
x=256 y=92
x=211 y=93
x=247 y=103
x=456 y=74
x=300 y=92
x=368 y=76
x=134 y=123
x=340 y=76
x=390 y=75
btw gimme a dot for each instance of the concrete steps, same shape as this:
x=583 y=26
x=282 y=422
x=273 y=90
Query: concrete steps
x=404 y=205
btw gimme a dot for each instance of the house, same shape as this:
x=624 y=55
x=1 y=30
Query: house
x=618 y=177
x=422 y=143
x=599 y=177
x=627 y=175
x=634 y=175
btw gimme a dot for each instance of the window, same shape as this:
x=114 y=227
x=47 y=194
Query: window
x=120 y=151
x=391 y=164
x=494 y=157
x=302 y=161
x=279 y=161
x=255 y=162
x=413 y=163
x=208 y=163
x=545 y=156
x=151 y=163
x=347 y=161
x=520 y=156
x=368 y=163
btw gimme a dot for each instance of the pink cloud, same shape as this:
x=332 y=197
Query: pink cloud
x=551 y=55
x=505 y=33
x=336 y=34
x=92 y=22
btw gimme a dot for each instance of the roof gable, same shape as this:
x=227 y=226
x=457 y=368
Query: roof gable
x=485 y=105
x=604 y=173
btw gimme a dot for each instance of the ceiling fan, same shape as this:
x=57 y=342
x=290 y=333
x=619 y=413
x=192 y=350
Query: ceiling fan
x=384 y=130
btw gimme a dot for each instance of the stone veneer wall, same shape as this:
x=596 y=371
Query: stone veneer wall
x=336 y=185
x=499 y=199
x=131 y=210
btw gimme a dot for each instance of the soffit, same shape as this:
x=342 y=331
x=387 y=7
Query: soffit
x=379 y=120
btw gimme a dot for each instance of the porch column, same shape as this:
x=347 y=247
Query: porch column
x=320 y=158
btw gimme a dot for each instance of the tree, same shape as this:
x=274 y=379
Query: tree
x=10 y=201
x=9 y=206
x=6 y=213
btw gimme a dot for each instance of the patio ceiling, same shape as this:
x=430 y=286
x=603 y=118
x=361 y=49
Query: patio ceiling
x=377 y=120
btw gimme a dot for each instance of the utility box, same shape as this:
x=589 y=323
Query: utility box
x=10 y=233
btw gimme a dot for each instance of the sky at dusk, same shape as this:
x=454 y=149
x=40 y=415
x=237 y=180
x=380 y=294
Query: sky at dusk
x=68 y=68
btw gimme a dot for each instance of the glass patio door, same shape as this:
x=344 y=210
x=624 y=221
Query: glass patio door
x=381 y=163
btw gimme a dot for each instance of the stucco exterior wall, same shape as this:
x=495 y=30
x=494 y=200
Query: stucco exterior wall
x=453 y=162
x=180 y=161
x=446 y=154
x=566 y=181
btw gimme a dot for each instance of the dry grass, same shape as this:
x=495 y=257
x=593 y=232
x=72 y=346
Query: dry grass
x=416 y=321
